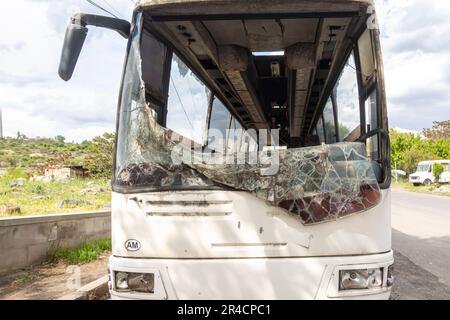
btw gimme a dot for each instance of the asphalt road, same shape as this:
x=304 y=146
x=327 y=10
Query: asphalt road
x=421 y=240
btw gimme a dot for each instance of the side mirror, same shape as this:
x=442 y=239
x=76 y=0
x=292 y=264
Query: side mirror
x=76 y=34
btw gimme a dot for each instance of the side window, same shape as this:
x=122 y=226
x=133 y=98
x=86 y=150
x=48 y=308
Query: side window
x=366 y=56
x=188 y=102
x=153 y=69
x=347 y=98
x=320 y=131
x=235 y=136
x=330 y=126
x=371 y=112
x=218 y=126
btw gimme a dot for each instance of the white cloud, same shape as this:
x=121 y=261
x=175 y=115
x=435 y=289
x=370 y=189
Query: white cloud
x=36 y=102
x=416 y=49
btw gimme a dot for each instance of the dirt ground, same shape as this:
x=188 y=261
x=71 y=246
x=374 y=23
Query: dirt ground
x=49 y=282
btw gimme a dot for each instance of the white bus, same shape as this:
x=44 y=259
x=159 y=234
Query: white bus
x=252 y=157
x=424 y=173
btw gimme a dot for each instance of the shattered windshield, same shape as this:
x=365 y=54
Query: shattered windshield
x=164 y=144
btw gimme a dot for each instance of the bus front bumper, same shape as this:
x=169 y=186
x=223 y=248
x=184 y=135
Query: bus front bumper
x=251 y=279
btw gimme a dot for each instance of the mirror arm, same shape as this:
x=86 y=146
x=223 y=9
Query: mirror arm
x=123 y=27
x=76 y=34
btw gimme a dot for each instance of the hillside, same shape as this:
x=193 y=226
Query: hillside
x=22 y=158
x=34 y=154
x=24 y=152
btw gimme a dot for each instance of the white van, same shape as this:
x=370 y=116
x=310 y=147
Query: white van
x=424 y=173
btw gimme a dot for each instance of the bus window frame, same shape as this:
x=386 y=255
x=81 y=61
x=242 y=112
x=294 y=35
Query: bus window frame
x=364 y=91
x=171 y=50
x=208 y=120
x=334 y=115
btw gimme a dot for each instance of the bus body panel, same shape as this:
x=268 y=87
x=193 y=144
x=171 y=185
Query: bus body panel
x=219 y=244
x=237 y=225
x=252 y=279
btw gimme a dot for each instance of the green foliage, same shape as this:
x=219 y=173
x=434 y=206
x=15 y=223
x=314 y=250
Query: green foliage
x=99 y=156
x=35 y=154
x=38 y=152
x=16 y=173
x=25 y=278
x=408 y=149
x=23 y=157
x=441 y=148
x=84 y=254
x=37 y=189
x=343 y=131
x=438 y=169
x=37 y=198
x=414 y=156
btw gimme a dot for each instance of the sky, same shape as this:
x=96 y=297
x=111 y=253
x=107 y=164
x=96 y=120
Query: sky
x=36 y=102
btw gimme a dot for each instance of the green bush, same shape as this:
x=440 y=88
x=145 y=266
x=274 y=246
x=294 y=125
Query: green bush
x=37 y=189
x=408 y=149
x=16 y=173
x=438 y=169
x=99 y=156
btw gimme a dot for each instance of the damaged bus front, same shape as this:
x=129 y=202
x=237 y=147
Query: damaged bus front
x=252 y=156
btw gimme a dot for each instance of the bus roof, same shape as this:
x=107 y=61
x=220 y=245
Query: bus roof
x=315 y=38
x=221 y=7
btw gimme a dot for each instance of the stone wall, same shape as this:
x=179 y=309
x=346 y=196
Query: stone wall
x=27 y=241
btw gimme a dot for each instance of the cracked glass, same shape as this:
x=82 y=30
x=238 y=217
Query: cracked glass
x=316 y=184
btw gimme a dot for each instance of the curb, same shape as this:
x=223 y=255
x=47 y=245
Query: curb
x=97 y=288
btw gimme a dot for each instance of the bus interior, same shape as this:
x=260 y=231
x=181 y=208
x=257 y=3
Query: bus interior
x=316 y=77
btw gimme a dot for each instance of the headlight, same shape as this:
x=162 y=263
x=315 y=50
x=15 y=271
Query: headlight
x=390 y=276
x=135 y=282
x=360 y=279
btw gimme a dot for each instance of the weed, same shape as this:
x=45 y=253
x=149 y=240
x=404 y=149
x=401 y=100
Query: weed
x=85 y=253
x=25 y=278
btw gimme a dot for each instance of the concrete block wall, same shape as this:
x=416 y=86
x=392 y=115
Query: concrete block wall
x=27 y=241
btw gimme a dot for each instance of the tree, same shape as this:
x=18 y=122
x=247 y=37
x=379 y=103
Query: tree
x=343 y=131
x=441 y=148
x=438 y=169
x=60 y=139
x=440 y=130
x=21 y=136
x=99 y=156
x=401 y=143
x=413 y=156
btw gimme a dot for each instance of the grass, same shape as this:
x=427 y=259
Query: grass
x=419 y=189
x=37 y=198
x=84 y=254
x=25 y=278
